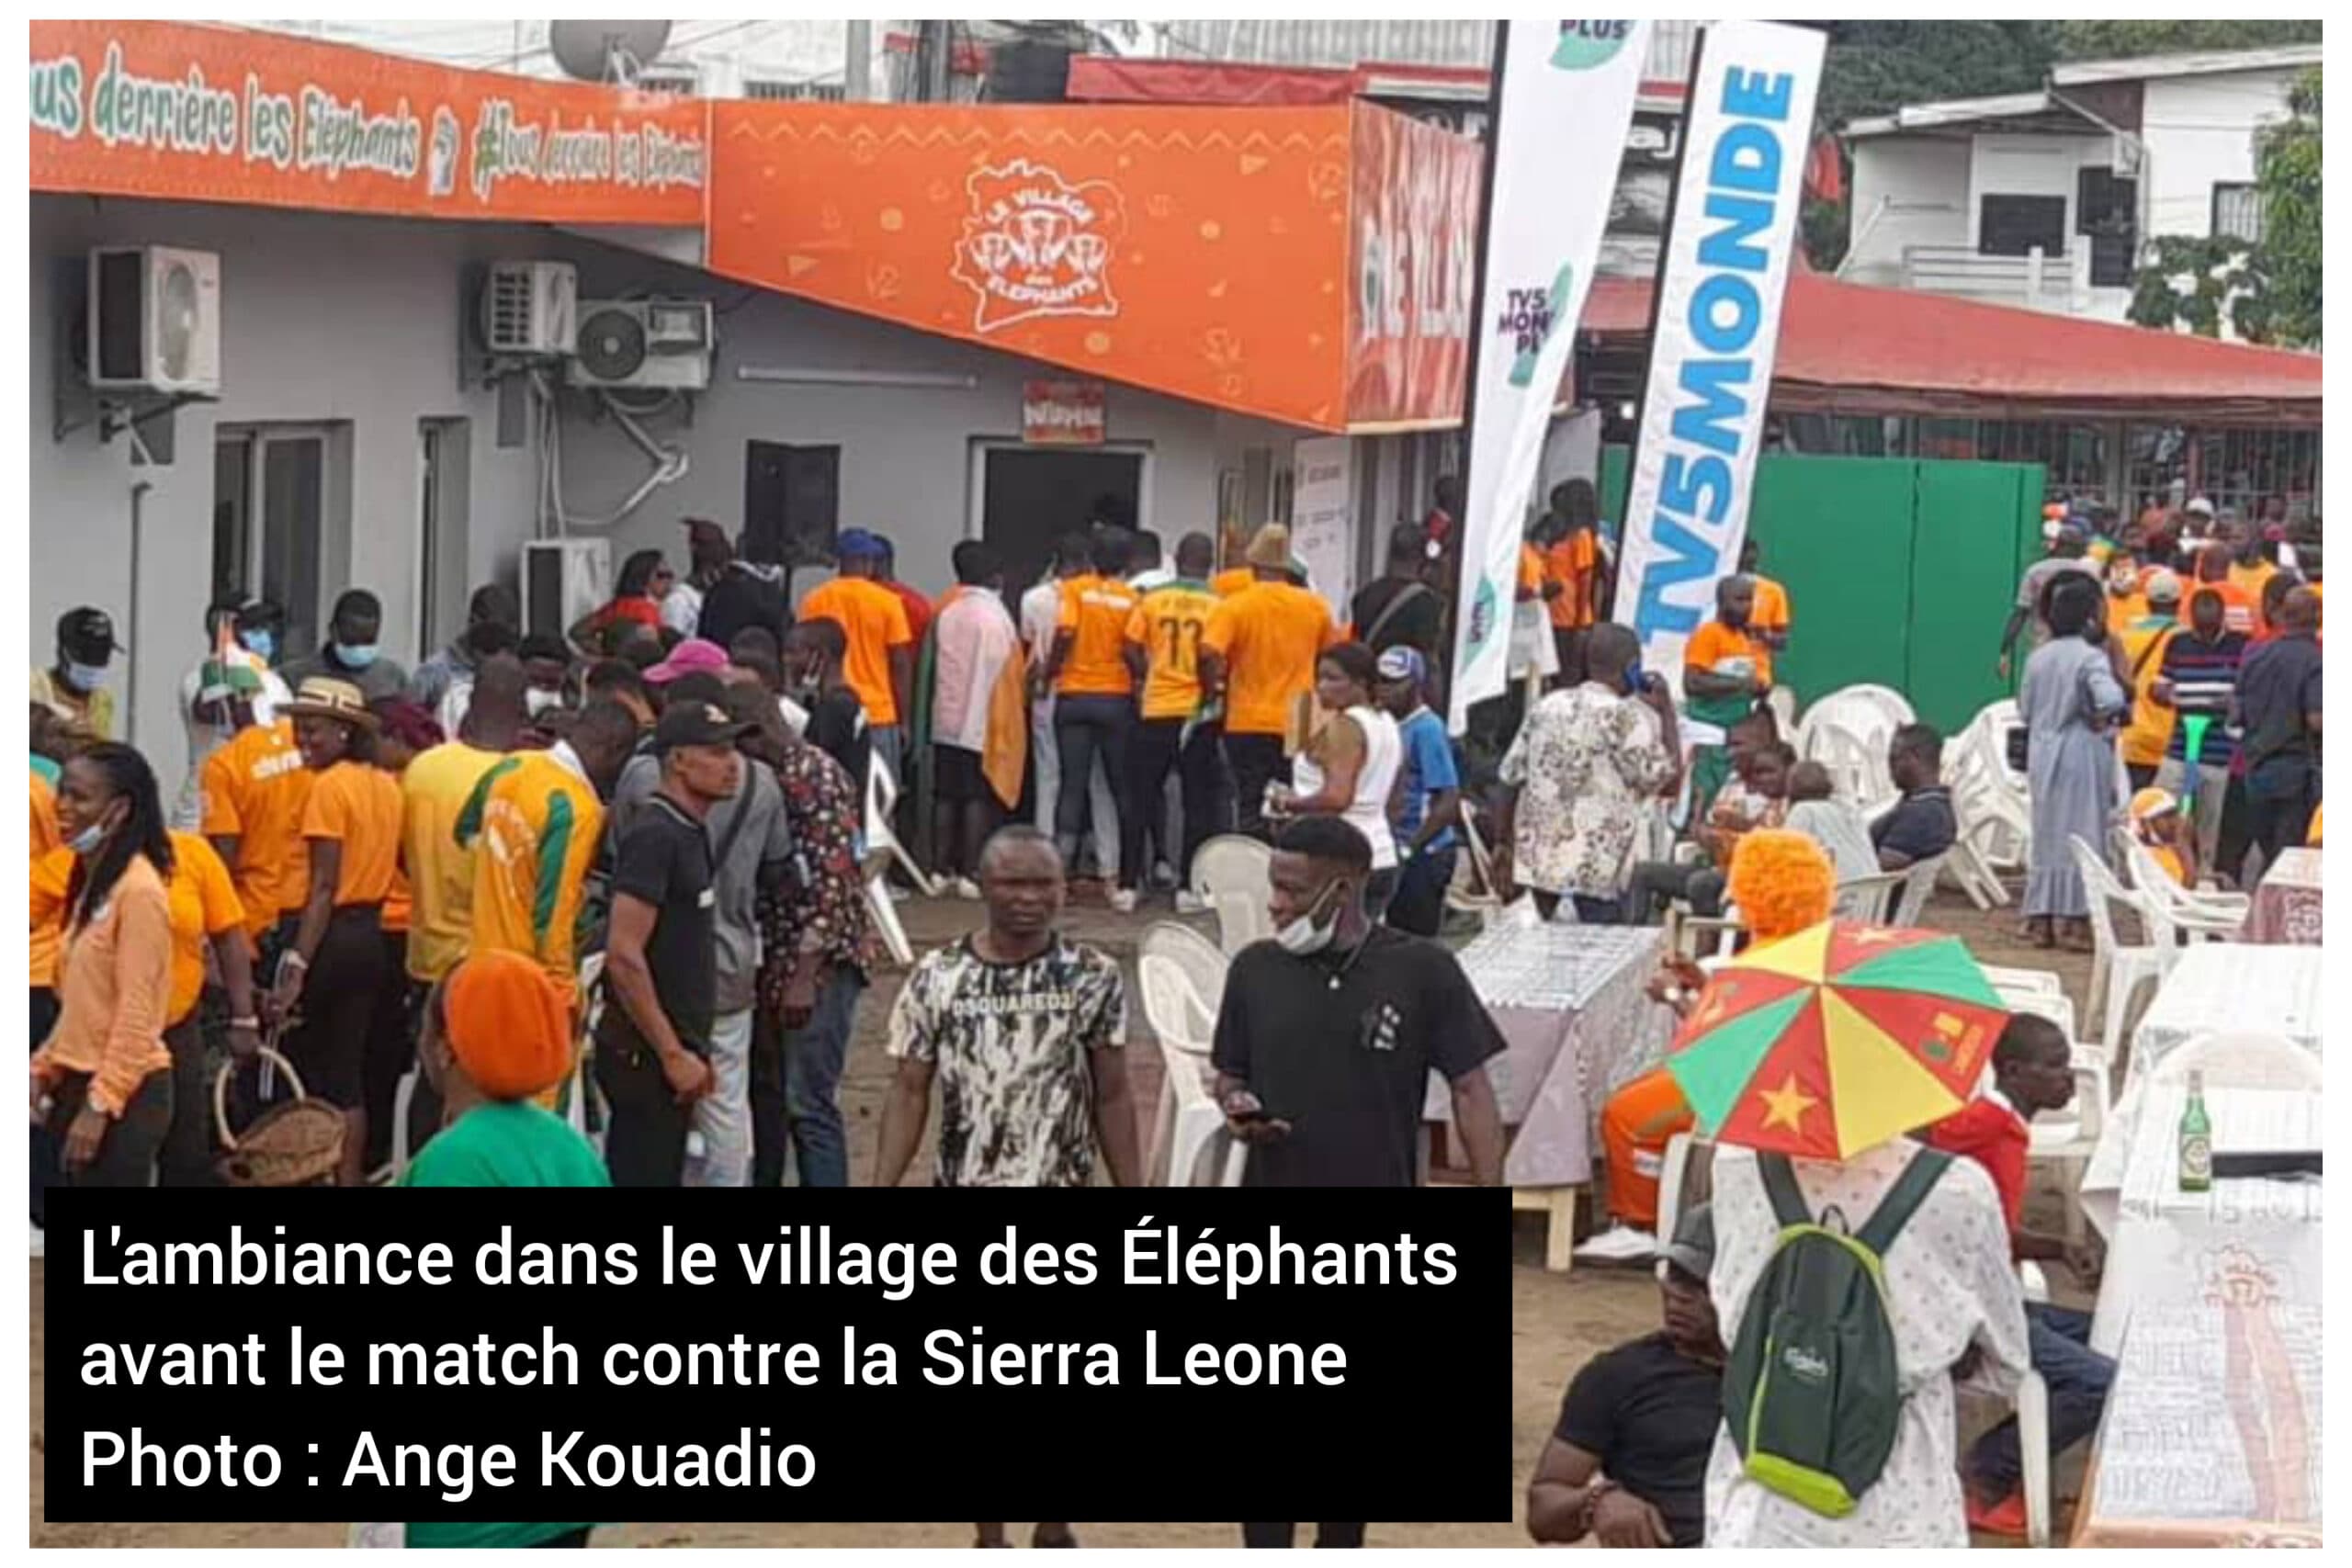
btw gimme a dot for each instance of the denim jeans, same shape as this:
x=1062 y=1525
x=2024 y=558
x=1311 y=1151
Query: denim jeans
x=2058 y=1341
x=1087 y=730
x=813 y=1055
x=723 y=1116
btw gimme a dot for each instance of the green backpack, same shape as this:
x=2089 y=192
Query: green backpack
x=1811 y=1390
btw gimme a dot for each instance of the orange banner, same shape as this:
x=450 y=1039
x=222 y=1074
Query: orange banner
x=1413 y=253
x=194 y=113
x=1197 y=252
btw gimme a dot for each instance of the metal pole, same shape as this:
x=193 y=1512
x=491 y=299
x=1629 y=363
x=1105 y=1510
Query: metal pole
x=130 y=683
x=857 y=66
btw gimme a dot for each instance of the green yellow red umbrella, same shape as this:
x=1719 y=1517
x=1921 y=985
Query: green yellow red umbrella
x=1837 y=1039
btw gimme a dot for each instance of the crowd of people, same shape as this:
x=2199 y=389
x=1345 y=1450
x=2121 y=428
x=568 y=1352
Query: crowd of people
x=655 y=831
x=2177 y=654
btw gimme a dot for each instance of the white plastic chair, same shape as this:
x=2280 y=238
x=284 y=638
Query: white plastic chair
x=2005 y=981
x=1473 y=890
x=2244 y=1059
x=1189 y=1123
x=1918 y=881
x=2033 y=1424
x=1867 y=898
x=1203 y=961
x=2118 y=971
x=882 y=843
x=2218 y=917
x=1229 y=874
x=1783 y=704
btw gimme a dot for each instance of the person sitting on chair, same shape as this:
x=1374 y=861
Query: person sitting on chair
x=1781 y=883
x=1627 y=1463
x=2032 y=1072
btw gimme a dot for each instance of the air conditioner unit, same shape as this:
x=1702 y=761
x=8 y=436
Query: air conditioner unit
x=528 y=308
x=562 y=581
x=155 y=318
x=643 y=343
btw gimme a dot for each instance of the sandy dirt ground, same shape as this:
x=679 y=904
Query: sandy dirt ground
x=1558 y=1321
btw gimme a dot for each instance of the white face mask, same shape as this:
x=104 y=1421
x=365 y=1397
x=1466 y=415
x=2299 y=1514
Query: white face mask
x=1303 y=937
x=536 y=701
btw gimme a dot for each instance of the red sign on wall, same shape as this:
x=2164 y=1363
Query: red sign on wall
x=1412 y=253
x=1062 y=413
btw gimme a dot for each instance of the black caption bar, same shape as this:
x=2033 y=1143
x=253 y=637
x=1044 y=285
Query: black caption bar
x=1156 y=1354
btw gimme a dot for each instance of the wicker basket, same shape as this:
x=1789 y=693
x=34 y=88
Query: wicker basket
x=296 y=1143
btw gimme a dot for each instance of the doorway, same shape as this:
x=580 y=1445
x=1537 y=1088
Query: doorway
x=1030 y=496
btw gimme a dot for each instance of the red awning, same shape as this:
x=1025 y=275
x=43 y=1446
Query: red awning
x=1846 y=347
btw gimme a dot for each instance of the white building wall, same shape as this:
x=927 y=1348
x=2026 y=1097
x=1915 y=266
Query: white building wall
x=323 y=320
x=2029 y=165
x=1906 y=191
x=2199 y=133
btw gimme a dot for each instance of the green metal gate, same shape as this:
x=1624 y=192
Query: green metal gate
x=1900 y=571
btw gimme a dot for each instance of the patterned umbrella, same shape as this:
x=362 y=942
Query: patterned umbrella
x=1837 y=1039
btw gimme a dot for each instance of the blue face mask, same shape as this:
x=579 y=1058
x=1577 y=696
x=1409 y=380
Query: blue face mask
x=85 y=677
x=259 y=642
x=357 y=658
x=87 y=841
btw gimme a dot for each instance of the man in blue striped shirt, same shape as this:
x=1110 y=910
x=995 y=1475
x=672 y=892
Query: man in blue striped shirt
x=2197 y=680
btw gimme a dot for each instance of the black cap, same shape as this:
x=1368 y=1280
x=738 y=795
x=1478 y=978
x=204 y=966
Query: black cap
x=697 y=724
x=1692 y=1250
x=88 y=634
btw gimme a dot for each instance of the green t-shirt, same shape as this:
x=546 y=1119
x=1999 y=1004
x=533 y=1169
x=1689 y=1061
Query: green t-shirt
x=510 y=1144
x=463 y=1536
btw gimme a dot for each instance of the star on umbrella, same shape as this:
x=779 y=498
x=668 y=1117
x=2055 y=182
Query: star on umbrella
x=1787 y=1105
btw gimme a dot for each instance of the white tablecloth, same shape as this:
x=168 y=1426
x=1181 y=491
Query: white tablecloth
x=2211 y=1434
x=1576 y=1026
x=2233 y=986
x=2169 y=1246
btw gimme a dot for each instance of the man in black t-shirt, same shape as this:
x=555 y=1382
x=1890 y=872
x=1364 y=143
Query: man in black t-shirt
x=661 y=959
x=1627 y=1464
x=1400 y=608
x=813 y=653
x=1327 y=1033
x=2278 y=702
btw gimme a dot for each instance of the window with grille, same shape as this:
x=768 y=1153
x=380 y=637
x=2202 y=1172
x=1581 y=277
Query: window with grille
x=2107 y=212
x=2237 y=212
x=796 y=92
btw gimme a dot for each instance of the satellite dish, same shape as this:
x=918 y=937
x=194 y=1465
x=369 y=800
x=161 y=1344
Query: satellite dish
x=606 y=52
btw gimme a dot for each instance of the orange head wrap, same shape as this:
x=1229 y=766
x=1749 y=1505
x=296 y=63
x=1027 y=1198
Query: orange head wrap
x=507 y=1025
x=1781 y=882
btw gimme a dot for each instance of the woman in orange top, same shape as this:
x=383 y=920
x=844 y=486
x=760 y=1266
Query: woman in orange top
x=102 y=1083
x=328 y=979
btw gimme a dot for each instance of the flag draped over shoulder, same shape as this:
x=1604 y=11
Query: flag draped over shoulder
x=975 y=663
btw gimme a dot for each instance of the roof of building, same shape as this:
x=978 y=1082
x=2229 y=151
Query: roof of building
x=2146 y=67
x=1112 y=79
x=1846 y=347
x=2021 y=110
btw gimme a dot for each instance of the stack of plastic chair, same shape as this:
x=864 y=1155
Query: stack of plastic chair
x=2118 y=971
x=1203 y=963
x=882 y=850
x=2196 y=912
x=1847 y=732
x=1189 y=1125
x=1229 y=875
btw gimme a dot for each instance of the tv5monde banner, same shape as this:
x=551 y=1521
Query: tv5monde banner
x=1721 y=280
x=1567 y=88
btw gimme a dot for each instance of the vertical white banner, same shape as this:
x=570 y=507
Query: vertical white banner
x=1322 y=516
x=1721 y=278
x=1566 y=103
